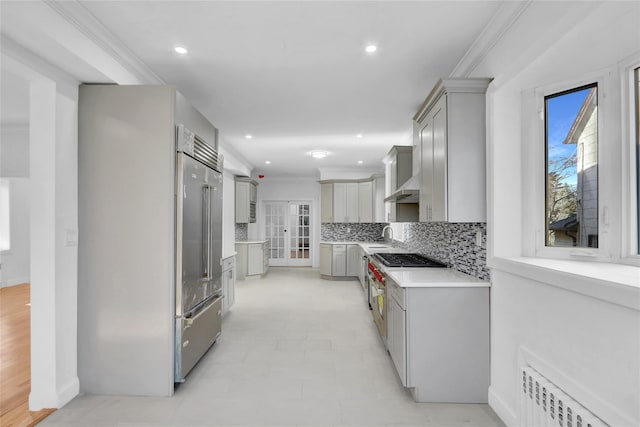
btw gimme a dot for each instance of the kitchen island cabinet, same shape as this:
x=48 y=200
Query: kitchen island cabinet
x=252 y=258
x=438 y=334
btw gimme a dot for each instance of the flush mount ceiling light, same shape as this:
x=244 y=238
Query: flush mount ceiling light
x=371 y=48
x=268 y=162
x=248 y=136
x=360 y=162
x=318 y=154
x=359 y=135
x=181 y=50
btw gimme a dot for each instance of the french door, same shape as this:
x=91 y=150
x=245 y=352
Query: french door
x=288 y=229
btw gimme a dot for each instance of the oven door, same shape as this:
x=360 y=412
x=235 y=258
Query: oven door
x=378 y=300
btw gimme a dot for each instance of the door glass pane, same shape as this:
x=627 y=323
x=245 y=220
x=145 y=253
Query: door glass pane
x=571 y=132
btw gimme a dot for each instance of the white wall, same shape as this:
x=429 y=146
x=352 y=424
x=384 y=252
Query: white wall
x=589 y=346
x=53 y=227
x=228 y=214
x=14 y=165
x=282 y=189
x=15 y=262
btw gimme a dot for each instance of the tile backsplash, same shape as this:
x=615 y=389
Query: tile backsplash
x=357 y=232
x=450 y=243
x=242 y=232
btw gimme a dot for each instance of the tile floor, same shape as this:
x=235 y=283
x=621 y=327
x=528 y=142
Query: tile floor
x=295 y=351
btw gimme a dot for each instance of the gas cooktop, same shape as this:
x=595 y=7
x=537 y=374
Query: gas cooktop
x=407 y=260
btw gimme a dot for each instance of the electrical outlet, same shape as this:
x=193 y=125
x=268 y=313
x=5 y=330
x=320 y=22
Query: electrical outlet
x=348 y=230
x=478 y=238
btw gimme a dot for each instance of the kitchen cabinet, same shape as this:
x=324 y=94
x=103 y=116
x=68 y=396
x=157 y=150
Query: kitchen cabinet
x=246 y=197
x=252 y=258
x=449 y=127
x=326 y=203
x=438 y=339
x=401 y=206
x=228 y=283
x=353 y=260
x=339 y=261
x=326 y=253
x=399 y=165
x=365 y=201
x=347 y=201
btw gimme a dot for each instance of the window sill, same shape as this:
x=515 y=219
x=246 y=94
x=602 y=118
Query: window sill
x=615 y=283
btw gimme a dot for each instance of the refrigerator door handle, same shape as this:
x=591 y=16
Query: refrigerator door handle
x=206 y=225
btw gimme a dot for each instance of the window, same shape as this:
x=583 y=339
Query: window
x=571 y=142
x=5 y=237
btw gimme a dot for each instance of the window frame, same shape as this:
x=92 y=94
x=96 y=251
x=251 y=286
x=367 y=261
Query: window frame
x=630 y=208
x=534 y=167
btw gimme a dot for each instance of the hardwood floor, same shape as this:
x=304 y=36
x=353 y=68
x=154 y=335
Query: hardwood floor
x=15 y=359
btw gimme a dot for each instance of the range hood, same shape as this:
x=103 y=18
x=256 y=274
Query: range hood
x=407 y=193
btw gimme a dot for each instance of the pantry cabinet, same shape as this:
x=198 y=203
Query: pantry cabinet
x=347 y=201
x=450 y=131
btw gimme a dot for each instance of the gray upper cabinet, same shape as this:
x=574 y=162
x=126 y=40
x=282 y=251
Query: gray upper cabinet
x=347 y=201
x=449 y=129
x=246 y=197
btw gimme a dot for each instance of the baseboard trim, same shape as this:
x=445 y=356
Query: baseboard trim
x=68 y=392
x=501 y=409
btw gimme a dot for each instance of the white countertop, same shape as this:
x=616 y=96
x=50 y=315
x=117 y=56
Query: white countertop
x=368 y=247
x=247 y=242
x=433 y=278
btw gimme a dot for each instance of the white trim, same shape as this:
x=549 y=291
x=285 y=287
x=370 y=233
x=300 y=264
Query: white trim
x=629 y=215
x=496 y=29
x=79 y=16
x=32 y=67
x=574 y=388
x=67 y=392
x=613 y=283
x=533 y=183
x=17 y=281
x=501 y=408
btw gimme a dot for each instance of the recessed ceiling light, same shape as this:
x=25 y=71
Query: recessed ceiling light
x=268 y=162
x=181 y=50
x=360 y=162
x=359 y=135
x=248 y=136
x=318 y=154
x=371 y=48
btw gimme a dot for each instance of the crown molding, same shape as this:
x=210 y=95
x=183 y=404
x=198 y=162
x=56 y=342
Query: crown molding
x=506 y=15
x=85 y=22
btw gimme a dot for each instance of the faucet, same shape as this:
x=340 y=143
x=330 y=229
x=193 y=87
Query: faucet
x=388 y=227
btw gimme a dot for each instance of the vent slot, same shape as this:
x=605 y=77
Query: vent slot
x=545 y=404
x=191 y=144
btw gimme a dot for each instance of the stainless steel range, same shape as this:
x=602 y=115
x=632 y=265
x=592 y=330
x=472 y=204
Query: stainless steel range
x=407 y=260
x=377 y=279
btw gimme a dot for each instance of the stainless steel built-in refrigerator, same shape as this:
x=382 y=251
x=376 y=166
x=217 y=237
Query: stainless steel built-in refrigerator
x=149 y=212
x=198 y=250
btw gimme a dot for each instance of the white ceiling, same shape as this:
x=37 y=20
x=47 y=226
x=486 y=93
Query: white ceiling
x=293 y=74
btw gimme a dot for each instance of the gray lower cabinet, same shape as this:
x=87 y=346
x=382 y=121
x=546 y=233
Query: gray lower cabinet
x=339 y=261
x=438 y=339
x=228 y=283
x=252 y=258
